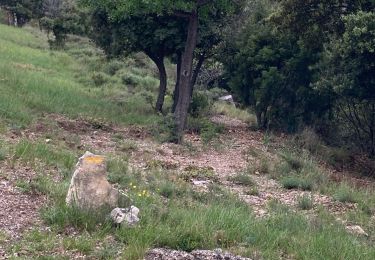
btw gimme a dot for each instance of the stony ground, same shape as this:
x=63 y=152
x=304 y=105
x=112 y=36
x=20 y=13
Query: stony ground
x=227 y=156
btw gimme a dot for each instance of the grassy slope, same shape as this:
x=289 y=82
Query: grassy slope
x=34 y=80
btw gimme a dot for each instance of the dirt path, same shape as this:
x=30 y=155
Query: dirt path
x=232 y=158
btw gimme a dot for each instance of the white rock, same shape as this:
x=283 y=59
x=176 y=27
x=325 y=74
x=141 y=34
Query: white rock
x=127 y=216
x=356 y=230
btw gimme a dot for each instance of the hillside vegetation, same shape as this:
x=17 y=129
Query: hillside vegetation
x=262 y=196
x=35 y=80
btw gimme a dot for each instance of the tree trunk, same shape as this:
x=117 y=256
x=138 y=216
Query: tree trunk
x=197 y=69
x=185 y=77
x=162 y=85
x=158 y=59
x=175 y=93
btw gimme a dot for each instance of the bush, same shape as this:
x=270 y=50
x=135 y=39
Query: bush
x=113 y=66
x=294 y=182
x=305 y=202
x=100 y=78
x=200 y=105
x=204 y=127
x=345 y=194
x=242 y=179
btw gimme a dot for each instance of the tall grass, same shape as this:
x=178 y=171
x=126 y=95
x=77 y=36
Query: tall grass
x=34 y=81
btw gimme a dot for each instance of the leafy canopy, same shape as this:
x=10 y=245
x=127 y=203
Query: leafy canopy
x=118 y=8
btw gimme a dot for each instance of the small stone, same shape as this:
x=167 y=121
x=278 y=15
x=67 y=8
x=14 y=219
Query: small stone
x=356 y=230
x=48 y=141
x=125 y=216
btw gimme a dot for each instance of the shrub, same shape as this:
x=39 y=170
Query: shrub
x=305 y=202
x=113 y=66
x=242 y=179
x=3 y=154
x=204 y=127
x=345 y=194
x=100 y=78
x=296 y=163
x=200 y=104
x=290 y=183
x=294 y=182
x=253 y=191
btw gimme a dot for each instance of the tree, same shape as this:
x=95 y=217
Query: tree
x=61 y=17
x=21 y=11
x=347 y=71
x=157 y=36
x=191 y=10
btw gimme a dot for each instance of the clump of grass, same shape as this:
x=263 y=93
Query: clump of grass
x=295 y=182
x=305 y=202
x=3 y=154
x=242 y=179
x=83 y=244
x=252 y=191
x=290 y=183
x=345 y=194
x=128 y=146
x=32 y=151
x=205 y=128
x=296 y=163
x=198 y=173
x=118 y=172
x=231 y=111
x=167 y=189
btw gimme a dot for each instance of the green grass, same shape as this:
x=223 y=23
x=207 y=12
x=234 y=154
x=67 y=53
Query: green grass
x=242 y=179
x=231 y=111
x=345 y=193
x=34 y=80
x=175 y=216
x=305 y=202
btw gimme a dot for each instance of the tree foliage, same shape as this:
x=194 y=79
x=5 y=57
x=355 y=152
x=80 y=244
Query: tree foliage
x=61 y=17
x=301 y=63
x=347 y=71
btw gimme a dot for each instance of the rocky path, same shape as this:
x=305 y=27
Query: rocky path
x=237 y=148
x=232 y=158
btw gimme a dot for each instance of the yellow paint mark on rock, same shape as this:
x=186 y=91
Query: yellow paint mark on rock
x=96 y=159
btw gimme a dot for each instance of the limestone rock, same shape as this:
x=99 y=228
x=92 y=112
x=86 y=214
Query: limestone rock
x=228 y=99
x=356 y=230
x=89 y=187
x=127 y=216
x=166 y=254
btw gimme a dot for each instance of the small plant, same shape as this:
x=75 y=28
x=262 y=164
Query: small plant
x=294 y=182
x=345 y=194
x=305 y=202
x=264 y=166
x=305 y=184
x=242 y=179
x=3 y=154
x=199 y=173
x=253 y=191
x=167 y=189
x=82 y=244
x=296 y=163
x=99 y=78
x=128 y=146
x=290 y=182
x=200 y=105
